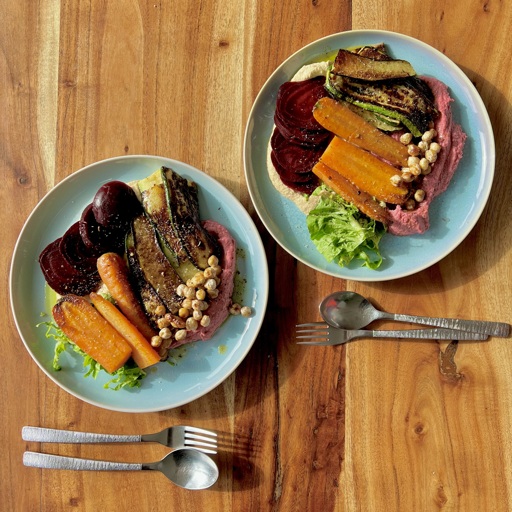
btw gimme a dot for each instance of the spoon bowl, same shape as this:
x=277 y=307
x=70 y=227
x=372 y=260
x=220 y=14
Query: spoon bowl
x=348 y=310
x=188 y=468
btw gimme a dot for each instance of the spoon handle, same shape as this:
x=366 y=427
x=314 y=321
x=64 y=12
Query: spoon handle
x=491 y=328
x=52 y=435
x=425 y=334
x=49 y=461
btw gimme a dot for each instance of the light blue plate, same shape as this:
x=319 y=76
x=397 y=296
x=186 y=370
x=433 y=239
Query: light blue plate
x=452 y=215
x=203 y=365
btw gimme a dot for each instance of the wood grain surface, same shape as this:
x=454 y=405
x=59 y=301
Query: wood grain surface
x=375 y=425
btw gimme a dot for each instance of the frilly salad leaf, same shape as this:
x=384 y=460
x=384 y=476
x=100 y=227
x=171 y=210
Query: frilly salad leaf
x=341 y=233
x=129 y=375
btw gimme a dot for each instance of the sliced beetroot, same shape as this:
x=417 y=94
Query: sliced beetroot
x=293 y=157
x=302 y=188
x=97 y=238
x=61 y=276
x=287 y=175
x=72 y=246
x=295 y=102
x=300 y=136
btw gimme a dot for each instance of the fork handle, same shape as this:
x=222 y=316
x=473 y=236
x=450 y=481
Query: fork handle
x=499 y=329
x=425 y=334
x=49 y=461
x=50 y=435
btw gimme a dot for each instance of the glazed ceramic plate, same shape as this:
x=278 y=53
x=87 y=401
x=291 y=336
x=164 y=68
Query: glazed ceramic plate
x=452 y=215
x=199 y=367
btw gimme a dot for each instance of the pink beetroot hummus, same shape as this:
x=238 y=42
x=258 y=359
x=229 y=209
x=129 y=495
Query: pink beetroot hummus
x=219 y=308
x=451 y=138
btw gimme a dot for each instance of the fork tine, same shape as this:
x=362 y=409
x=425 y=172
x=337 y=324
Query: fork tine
x=322 y=343
x=203 y=447
x=201 y=442
x=312 y=337
x=315 y=325
x=200 y=431
x=208 y=440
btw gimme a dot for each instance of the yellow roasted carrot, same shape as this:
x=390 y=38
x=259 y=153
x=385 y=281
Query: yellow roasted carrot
x=115 y=274
x=367 y=172
x=143 y=353
x=343 y=122
x=361 y=200
x=85 y=327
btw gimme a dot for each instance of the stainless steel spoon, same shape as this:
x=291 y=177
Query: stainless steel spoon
x=349 y=310
x=186 y=467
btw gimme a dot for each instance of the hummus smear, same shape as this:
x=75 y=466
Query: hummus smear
x=450 y=137
x=219 y=308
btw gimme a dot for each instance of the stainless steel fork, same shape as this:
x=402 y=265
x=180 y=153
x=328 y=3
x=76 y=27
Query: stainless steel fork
x=320 y=333
x=174 y=437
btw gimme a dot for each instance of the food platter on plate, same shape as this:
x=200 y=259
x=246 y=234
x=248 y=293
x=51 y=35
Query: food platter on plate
x=453 y=214
x=194 y=369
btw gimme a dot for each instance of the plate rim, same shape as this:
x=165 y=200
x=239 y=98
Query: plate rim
x=255 y=242
x=344 y=272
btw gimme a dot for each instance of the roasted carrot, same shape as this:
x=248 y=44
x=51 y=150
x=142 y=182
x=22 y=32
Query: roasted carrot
x=143 y=353
x=343 y=122
x=367 y=172
x=115 y=274
x=361 y=200
x=85 y=327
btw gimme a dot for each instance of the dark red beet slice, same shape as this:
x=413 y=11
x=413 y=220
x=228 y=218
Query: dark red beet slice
x=295 y=102
x=96 y=238
x=286 y=174
x=297 y=135
x=61 y=276
x=302 y=188
x=76 y=252
x=295 y=158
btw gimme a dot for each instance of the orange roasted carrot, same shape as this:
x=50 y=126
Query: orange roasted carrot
x=143 y=353
x=367 y=172
x=361 y=200
x=115 y=274
x=343 y=122
x=85 y=327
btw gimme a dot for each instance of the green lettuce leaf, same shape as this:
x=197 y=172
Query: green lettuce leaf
x=129 y=375
x=341 y=233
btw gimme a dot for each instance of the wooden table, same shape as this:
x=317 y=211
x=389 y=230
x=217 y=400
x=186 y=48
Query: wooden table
x=376 y=425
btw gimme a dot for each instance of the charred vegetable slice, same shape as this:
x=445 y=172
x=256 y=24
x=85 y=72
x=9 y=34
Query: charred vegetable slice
x=366 y=68
x=183 y=205
x=149 y=298
x=154 y=265
x=407 y=100
x=173 y=206
x=154 y=201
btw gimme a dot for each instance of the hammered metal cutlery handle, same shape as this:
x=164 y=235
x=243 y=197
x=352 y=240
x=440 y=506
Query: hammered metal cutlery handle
x=425 y=334
x=48 y=461
x=491 y=328
x=50 y=435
